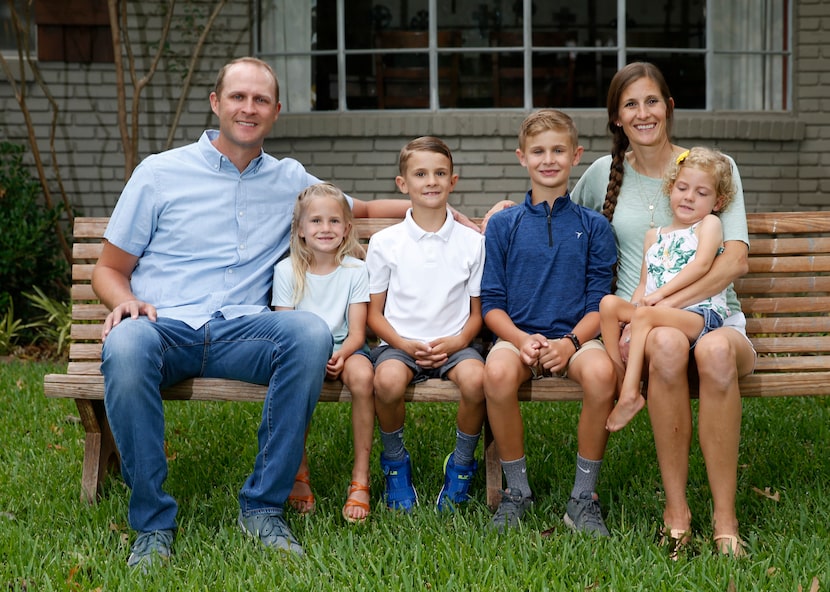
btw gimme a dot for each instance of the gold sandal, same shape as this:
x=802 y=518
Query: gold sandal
x=730 y=544
x=676 y=539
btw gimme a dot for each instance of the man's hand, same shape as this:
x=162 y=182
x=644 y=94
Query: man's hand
x=132 y=309
x=464 y=220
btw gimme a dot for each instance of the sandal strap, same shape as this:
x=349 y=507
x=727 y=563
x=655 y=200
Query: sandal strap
x=736 y=545
x=358 y=486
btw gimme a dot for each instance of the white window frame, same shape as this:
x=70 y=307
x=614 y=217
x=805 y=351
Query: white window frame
x=711 y=54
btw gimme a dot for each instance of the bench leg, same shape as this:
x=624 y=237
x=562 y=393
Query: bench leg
x=492 y=467
x=100 y=453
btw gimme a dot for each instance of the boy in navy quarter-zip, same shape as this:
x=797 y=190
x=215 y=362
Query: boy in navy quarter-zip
x=548 y=264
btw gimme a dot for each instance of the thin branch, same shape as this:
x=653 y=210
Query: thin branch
x=139 y=85
x=194 y=58
x=115 y=31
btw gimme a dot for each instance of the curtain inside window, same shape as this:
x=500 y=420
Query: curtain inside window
x=743 y=81
x=286 y=26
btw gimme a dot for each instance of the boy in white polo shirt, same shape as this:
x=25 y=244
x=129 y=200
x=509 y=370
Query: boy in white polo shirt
x=424 y=284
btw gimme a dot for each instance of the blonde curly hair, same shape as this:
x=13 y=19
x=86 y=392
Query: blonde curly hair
x=710 y=161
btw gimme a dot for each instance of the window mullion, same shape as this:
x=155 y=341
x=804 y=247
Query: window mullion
x=341 y=56
x=434 y=101
x=621 y=34
x=527 y=42
x=709 y=59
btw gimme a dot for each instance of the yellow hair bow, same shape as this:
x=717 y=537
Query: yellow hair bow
x=682 y=156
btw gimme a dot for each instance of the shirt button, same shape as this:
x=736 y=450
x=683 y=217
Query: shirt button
x=241 y=214
x=242 y=247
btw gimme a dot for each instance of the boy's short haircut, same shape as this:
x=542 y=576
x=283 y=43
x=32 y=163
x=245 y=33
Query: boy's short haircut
x=547 y=120
x=423 y=144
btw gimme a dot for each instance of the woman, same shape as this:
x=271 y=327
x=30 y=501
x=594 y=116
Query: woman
x=626 y=186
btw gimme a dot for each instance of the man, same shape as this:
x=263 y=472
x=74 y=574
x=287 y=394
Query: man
x=186 y=270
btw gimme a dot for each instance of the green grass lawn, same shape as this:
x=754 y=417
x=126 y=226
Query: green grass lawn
x=50 y=540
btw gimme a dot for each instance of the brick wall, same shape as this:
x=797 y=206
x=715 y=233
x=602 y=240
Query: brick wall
x=88 y=140
x=784 y=158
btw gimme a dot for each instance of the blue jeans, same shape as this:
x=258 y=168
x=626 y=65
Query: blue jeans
x=285 y=350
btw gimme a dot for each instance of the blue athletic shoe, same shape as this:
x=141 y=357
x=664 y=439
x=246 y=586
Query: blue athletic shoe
x=400 y=494
x=456 y=489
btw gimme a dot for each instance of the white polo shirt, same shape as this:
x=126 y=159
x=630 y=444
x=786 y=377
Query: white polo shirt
x=428 y=277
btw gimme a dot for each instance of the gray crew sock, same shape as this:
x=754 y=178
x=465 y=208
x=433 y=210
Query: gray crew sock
x=587 y=474
x=465 y=448
x=515 y=472
x=393 y=448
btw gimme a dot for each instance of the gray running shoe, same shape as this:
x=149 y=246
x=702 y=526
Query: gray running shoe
x=512 y=507
x=150 y=548
x=272 y=531
x=585 y=515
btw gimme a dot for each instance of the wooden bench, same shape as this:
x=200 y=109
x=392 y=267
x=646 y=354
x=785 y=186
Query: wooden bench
x=786 y=296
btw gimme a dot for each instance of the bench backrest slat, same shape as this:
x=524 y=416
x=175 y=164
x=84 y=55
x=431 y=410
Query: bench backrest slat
x=784 y=295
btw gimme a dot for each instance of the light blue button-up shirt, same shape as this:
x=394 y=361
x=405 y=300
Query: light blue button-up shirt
x=207 y=236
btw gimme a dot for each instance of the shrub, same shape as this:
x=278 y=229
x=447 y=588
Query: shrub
x=30 y=254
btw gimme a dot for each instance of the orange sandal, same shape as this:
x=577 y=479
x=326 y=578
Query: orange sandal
x=303 y=504
x=355 y=487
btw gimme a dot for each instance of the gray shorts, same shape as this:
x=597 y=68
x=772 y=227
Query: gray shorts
x=386 y=352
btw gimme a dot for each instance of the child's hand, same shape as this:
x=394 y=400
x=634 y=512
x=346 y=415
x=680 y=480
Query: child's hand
x=447 y=345
x=554 y=358
x=531 y=349
x=335 y=366
x=651 y=300
x=424 y=354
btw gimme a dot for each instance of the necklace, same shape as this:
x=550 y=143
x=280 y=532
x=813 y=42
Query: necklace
x=650 y=201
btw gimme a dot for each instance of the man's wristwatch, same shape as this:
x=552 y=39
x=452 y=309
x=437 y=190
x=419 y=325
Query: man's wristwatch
x=574 y=339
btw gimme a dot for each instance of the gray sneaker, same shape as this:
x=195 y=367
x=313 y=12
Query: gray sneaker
x=585 y=515
x=512 y=507
x=271 y=530
x=150 y=548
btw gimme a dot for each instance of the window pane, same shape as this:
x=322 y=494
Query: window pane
x=749 y=82
x=680 y=25
x=574 y=52
x=8 y=41
x=685 y=74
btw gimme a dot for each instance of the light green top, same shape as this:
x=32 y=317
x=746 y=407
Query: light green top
x=632 y=217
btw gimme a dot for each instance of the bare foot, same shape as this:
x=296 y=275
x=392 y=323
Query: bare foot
x=624 y=411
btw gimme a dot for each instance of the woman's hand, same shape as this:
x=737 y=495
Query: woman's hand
x=498 y=207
